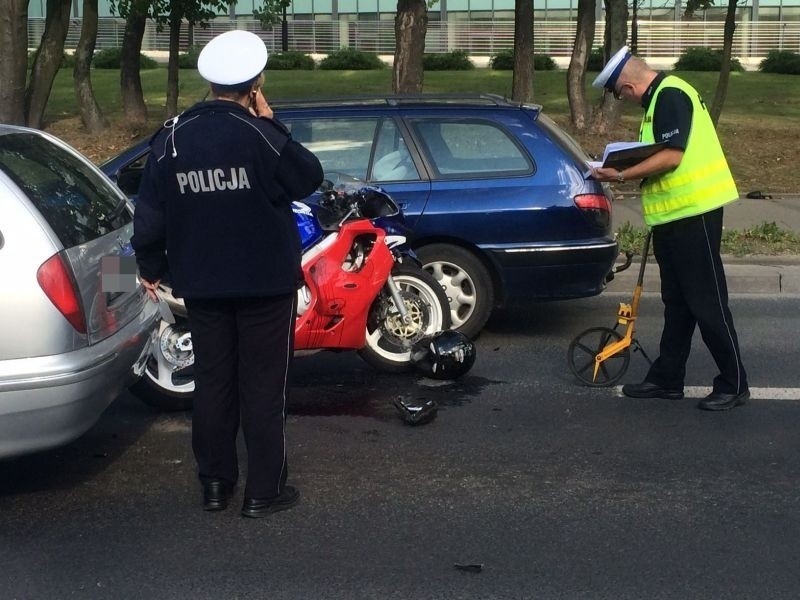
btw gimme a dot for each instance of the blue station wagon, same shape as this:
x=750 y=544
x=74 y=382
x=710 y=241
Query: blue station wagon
x=493 y=190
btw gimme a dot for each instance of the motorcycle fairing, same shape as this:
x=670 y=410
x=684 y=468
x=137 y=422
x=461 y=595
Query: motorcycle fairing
x=340 y=320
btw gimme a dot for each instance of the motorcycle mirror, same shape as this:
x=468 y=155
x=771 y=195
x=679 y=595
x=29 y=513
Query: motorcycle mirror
x=378 y=204
x=416 y=412
x=325 y=186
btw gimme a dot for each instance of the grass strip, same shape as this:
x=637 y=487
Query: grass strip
x=765 y=239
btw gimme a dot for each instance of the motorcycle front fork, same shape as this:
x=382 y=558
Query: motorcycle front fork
x=394 y=292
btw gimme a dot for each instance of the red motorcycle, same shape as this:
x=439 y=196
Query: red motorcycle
x=361 y=292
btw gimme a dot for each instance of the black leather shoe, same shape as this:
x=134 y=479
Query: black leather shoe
x=720 y=401
x=216 y=494
x=647 y=389
x=261 y=507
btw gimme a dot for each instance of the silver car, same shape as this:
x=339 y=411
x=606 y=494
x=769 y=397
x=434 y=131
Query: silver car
x=75 y=323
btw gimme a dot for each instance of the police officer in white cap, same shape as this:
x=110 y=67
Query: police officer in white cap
x=684 y=187
x=214 y=208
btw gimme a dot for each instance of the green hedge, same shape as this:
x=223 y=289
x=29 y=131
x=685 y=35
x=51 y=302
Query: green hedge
x=188 y=59
x=349 y=59
x=109 y=58
x=504 y=61
x=104 y=59
x=781 y=61
x=288 y=61
x=542 y=62
x=67 y=62
x=596 y=61
x=457 y=60
x=700 y=58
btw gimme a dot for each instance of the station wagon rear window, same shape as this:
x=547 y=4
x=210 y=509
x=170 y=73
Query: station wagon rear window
x=77 y=203
x=471 y=148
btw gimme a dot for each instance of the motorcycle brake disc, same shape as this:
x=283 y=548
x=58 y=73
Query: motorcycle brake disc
x=176 y=347
x=391 y=323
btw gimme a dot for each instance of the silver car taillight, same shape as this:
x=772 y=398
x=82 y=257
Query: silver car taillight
x=56 y=280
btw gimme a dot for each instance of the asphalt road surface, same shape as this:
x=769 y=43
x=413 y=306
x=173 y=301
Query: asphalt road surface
x=541 y=487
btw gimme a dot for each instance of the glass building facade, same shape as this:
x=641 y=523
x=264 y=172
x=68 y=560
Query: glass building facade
x=477 y=10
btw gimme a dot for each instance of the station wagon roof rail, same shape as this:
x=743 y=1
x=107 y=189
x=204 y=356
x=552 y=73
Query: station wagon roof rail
x=397 y=100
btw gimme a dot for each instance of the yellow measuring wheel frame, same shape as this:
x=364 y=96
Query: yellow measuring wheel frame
x=594 y=350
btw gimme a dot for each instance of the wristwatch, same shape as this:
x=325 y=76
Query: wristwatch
x=620 y=177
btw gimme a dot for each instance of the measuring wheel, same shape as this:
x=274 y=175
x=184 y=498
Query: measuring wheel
x=587 y=345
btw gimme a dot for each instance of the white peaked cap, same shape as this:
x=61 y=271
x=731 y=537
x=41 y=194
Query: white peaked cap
x=232 y=57
x=610 y=73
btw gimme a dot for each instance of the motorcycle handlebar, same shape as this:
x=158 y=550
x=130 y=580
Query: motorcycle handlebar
x=365 y=202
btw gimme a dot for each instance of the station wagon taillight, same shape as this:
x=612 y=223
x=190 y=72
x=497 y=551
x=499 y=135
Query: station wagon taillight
x=596 y=208
x=56 y=281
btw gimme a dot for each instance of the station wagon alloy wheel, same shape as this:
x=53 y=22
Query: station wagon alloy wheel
x=458 y=286
x=466 y=283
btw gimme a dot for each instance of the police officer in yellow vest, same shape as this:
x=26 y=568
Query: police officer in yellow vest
x=684 y=187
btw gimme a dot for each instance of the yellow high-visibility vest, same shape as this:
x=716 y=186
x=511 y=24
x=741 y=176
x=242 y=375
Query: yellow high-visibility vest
x=702 y=182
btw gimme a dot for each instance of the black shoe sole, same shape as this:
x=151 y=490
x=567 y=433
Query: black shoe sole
x=259 y=513
x=738 y=401
x=265 y=512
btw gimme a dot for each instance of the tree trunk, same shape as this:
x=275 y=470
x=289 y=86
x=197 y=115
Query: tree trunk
x=91 y=114
x=725 y=69
x=576 y=73
x=173 y=74
x=14 y=65
x=48 y=59
x=522 y=83
x=410 y=27
x=133 y=106
x=616 y=33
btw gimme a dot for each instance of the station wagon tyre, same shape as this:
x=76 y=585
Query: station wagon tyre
x=168 y=379
x=389 y=340
x=466 y=283
x=586 y=346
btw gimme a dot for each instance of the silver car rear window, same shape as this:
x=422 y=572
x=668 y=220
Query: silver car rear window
x=78 y=204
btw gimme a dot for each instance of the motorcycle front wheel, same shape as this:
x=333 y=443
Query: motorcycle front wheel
x=389 y=339
x=168 y=379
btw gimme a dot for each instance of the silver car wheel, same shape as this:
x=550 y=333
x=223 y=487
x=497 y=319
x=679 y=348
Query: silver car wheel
x=459 y=289
x=172 y=350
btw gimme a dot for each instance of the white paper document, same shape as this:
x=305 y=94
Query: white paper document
x=620 y=155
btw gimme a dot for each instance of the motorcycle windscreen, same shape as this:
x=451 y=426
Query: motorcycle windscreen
x=307 y=224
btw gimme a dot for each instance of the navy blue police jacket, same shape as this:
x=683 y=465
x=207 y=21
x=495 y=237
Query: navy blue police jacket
x=214 y=205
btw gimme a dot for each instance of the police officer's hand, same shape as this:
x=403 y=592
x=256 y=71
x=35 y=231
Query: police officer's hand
x=151 y=289
x=259 y=106
x=605 y=174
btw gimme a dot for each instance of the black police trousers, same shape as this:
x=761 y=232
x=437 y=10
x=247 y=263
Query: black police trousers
x=695 y=293
x=243 y=351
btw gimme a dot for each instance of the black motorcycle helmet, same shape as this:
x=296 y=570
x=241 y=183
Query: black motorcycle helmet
x=444 y=355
